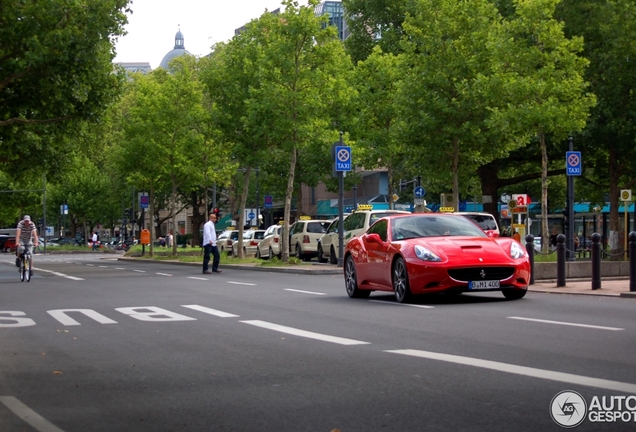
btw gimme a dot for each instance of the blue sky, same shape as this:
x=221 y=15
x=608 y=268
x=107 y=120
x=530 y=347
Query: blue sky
x=153 y=24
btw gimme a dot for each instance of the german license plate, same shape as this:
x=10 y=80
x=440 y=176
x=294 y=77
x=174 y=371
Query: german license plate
x=487 y=284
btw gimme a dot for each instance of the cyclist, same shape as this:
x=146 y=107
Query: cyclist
x=26 y=236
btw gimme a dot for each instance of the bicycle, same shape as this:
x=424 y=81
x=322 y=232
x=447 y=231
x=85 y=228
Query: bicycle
x=24 y=265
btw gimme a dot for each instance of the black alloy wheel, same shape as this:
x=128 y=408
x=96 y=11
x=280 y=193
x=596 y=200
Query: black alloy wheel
x=401 y=282
x=351 y=280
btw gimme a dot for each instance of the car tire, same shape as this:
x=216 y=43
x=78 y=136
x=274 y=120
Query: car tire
x=400 y=279
x=271 y=253
x=351 y=280
x=332 y=256
x=321 y=256
x=299 y=252
x=258 y=253
x=514 y=294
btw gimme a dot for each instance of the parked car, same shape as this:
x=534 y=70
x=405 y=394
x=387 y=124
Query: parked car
x=304 y=235
x=327 y=239
x=251 y=239
x=354 y=225
x=430 y=253
x=486 y=222
x=225 y=241
x=269 y=247
x=10 y=245
x=3 y=239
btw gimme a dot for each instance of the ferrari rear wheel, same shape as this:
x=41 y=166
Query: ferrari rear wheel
x=401 y=282
x=514 y=294
x=351 y=281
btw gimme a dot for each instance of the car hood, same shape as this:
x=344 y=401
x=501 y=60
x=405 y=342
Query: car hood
x=468 y=249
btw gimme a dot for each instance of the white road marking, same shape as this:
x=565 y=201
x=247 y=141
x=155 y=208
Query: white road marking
x=306 y=334
x=38 y=422
x=567 y=323
x=304 y=292
x=58 y=274
x=164 y=274
x=403 y=304
x=140 y=271
x=197 y=278
x=91 y=265
x=211 y=311
x=119 y=268
x=521 y=370
x=103 y=266
x=241 y=283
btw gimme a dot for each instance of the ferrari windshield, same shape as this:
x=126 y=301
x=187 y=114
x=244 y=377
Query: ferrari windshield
x=417 y=226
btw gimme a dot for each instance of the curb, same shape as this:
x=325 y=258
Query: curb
x=288 y=270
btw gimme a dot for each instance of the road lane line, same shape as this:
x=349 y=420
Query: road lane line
x=140 y=271
x=103 y=266
x=119 y=268
x=402 y=304
x=567 y=323
x=197 y=278
x=304 y=292
x=91 y=265
x=164 y=274
x=211 y=311
x=521 y=370
x=306 y=334
x=28 y=415
x=57 y=274
x=241 y=283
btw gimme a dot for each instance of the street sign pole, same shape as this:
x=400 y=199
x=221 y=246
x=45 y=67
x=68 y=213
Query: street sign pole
x=571 y=255
x=340 y=208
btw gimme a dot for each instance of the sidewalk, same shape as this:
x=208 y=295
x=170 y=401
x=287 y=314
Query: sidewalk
x=615 y=287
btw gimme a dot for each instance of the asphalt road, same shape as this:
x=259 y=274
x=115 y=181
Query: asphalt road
x=96 y=344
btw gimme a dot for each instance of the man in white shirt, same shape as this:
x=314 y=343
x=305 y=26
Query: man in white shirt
x=94 y=240
x=209 y=246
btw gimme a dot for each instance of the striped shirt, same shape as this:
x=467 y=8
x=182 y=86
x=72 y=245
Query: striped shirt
x=26 y=232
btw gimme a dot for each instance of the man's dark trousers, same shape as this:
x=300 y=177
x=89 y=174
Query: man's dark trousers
x=207 y=249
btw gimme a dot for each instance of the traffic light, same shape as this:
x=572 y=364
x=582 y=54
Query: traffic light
x=217 y=212
x=128 y=213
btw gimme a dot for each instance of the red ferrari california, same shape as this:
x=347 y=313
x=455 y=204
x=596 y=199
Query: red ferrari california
x=433 y=253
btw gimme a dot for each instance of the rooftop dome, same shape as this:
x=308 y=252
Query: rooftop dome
x=179 y=50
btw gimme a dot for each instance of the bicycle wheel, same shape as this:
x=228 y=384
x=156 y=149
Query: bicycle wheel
x=22 y=269
x=27 y=269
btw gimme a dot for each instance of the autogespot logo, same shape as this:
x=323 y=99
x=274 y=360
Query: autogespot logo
x=568 y=409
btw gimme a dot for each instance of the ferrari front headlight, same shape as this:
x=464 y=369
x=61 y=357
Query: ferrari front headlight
x=426 y=254
x=516 y=250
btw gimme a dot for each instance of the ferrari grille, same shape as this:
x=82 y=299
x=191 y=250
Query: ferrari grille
x=481 y=273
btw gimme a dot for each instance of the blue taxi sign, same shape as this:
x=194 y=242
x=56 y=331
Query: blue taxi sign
x=343 y=158
x=573 y=163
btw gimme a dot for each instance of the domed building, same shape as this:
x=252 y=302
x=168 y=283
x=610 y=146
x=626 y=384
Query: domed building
x=179 y=50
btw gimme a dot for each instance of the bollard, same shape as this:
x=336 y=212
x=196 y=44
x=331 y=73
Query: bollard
x=530 y=250
x=560 y=260
x=596 y=261
x=632 y=261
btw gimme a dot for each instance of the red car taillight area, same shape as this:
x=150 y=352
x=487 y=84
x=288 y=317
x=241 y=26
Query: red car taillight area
x=306 y=239
x=276 y=240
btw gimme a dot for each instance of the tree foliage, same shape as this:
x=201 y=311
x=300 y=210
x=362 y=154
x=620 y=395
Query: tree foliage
x=56 y=67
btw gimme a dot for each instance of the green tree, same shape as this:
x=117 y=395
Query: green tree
x=609 y=31
x=56 y=67
x=445 y=91
x=542 y=81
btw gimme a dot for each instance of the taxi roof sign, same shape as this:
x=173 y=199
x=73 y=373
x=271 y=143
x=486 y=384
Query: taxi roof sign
x=365 y=207
x=446 y=209
x=305 y=218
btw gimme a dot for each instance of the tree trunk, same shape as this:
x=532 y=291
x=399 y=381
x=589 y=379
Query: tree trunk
x=454 y=170
x=614 y=192
x=545 y=232
x=288 y=197
x=489 y=179
x=151 y=198
x=246 y=185
x=197 y=218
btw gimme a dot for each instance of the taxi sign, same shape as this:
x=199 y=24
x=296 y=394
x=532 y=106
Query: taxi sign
x=365 y=207
x=447 y=209
x=305 y=218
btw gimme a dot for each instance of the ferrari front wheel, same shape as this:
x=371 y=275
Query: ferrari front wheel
x=351 y=280
x=401 y=282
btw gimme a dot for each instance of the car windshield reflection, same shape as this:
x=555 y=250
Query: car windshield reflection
x=433 y=226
